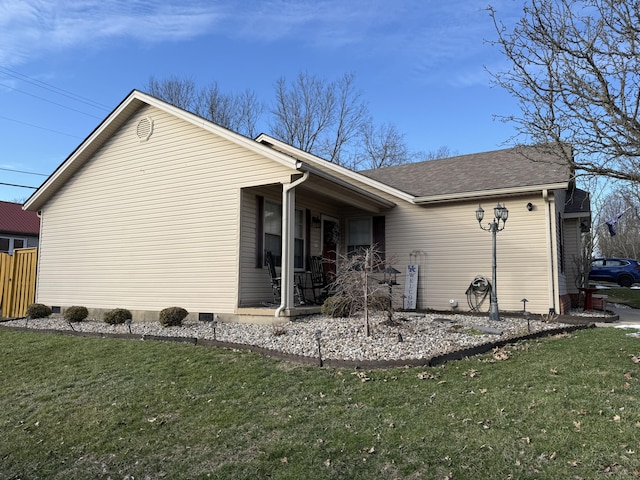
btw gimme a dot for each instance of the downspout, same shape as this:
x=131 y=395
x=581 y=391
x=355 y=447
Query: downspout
x=552 y=250
x=288 y=216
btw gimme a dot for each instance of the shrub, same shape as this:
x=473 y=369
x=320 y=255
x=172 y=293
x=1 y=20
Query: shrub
x=76 y=314
x=172 y=316
x=337 y=306
x=117 y=316
x=379 y=302
x=38 y=310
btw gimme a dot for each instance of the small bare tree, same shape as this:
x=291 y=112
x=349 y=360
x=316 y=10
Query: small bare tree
x=358 y=282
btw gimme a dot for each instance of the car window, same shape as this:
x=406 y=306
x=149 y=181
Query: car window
x=615 y=263
x=598 y=263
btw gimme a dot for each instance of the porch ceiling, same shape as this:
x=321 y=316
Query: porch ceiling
x=346 y=194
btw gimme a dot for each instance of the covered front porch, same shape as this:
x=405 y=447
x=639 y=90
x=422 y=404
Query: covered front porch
x=310 y=216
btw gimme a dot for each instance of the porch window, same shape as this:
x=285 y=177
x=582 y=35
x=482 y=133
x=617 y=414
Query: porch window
x=363 y=232
x=273 y=234
x=358 y=234
x=298 y=247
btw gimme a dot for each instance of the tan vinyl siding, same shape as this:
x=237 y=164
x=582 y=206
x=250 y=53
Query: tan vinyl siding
x=146 y=225
x=452 y=250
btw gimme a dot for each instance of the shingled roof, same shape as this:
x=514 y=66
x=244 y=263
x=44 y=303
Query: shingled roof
x=478 y=172
x=17 y=221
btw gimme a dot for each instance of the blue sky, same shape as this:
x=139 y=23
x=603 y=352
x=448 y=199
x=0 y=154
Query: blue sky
x=65 y=64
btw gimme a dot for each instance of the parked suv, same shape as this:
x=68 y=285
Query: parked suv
x=623 y=271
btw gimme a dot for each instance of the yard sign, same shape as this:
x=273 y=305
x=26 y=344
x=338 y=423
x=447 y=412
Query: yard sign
x=411 y=287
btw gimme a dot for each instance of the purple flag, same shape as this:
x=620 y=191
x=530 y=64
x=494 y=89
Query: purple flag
x=611 y=223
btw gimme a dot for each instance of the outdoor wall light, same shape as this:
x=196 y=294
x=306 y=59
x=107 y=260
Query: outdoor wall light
x=500 y=214
x=529 y=206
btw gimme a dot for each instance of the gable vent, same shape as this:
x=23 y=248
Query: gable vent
x=144 y=129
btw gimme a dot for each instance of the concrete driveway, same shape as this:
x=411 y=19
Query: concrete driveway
x=628 y=317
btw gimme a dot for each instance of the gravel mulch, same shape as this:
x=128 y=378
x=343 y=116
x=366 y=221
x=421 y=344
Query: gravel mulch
x=410 y=338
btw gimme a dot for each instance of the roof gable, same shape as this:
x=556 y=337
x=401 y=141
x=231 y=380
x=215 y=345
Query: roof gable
x=127 y=108
x=15 y=220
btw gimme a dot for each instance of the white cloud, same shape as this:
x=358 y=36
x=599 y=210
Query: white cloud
x=431 y=35
x=32 y=28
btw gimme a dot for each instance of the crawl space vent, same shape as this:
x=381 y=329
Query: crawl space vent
x=144 y=129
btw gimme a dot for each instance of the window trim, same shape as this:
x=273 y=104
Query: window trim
x=12 y=247
x=302 y=214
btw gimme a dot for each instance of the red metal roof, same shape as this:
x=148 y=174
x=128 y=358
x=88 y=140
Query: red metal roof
x=15 y=220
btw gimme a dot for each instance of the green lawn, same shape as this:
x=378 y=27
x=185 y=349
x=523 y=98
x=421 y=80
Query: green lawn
x=626 y=296
x=86 y=408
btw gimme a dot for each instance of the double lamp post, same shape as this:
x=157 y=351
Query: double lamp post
x=500 y=214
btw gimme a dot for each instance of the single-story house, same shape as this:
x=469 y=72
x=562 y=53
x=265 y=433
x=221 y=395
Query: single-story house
x=18 y=228
x=158 y=207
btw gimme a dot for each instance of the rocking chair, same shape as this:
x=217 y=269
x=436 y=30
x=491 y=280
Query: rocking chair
x=276 y=281
x=318 y=280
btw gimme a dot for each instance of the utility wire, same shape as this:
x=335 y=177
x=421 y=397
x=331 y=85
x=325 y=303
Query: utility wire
x=36 y=126
x=23 y=171
x=54 y=89
x=50 y=101
x=19 y=186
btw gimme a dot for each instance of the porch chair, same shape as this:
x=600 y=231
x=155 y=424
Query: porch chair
x=276 y=287
x=318 y=279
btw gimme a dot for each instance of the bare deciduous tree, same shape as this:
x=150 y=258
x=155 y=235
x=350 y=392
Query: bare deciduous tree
x=626 y=242
x=330 y=119
x=304 y=111
x=382 y=146
x=327 y=119
x=574 y=68
x=180 y=92
x=441 y=152
x=240 y=112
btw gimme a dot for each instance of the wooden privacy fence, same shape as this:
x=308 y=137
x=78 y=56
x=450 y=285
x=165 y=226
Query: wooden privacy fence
x=17 y=281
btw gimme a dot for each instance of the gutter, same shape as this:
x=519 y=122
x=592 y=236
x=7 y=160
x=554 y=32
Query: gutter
x=551 y=249
x=447 y=197
x=288 y=217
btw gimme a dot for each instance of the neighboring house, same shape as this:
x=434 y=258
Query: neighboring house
x=18 y=228
x=168 y=209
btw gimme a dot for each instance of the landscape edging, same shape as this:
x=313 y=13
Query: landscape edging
x=328 y=362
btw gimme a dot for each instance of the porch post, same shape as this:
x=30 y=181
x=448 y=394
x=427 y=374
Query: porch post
x=288 y=240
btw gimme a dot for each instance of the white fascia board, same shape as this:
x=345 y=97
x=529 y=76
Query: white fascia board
x=489 y=193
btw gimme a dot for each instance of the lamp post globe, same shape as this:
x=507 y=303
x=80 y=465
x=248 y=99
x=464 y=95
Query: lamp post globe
x=500 y=216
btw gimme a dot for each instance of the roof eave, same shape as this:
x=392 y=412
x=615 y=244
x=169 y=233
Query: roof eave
x=335 y=168
x=512 y=191
x=377 y=199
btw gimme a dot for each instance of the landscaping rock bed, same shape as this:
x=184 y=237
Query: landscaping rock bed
x=408 y=339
